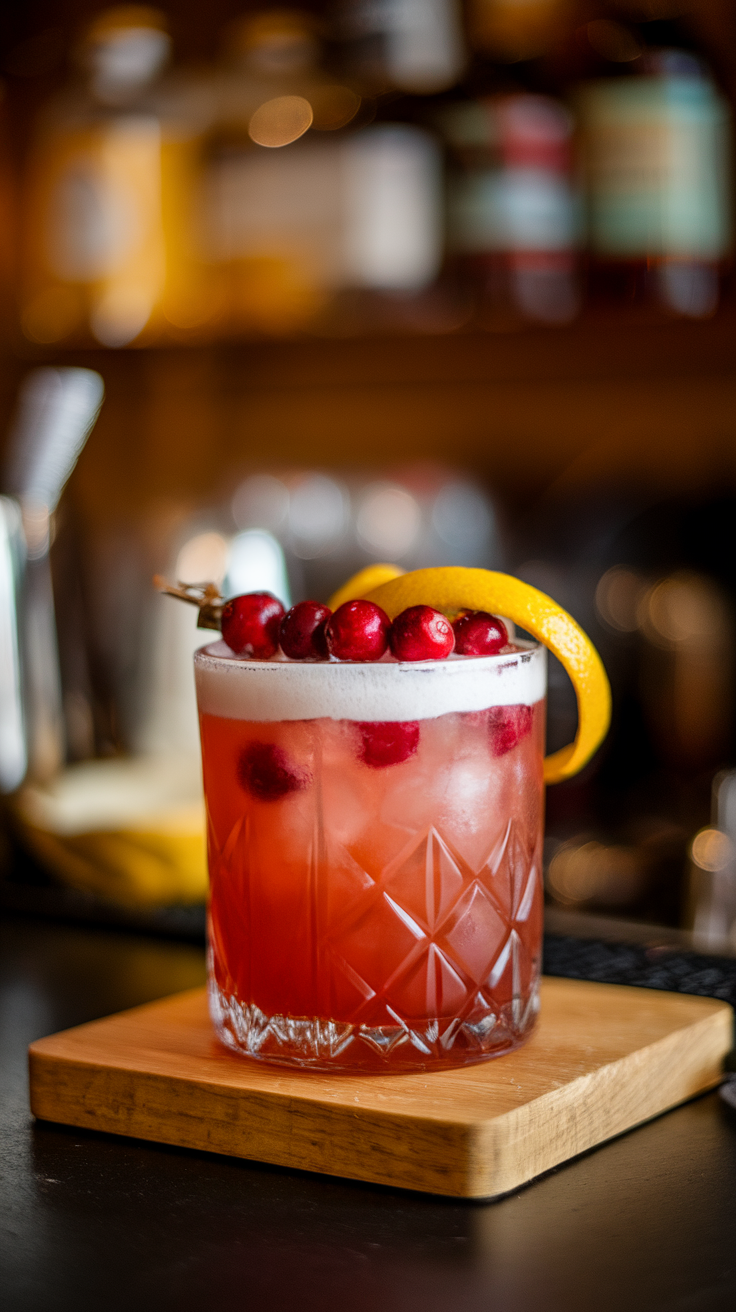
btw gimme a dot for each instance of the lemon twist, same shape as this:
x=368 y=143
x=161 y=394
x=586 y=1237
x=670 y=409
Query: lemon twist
x=452 y=589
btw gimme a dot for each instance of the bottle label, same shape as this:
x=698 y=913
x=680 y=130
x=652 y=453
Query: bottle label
x=657 y=161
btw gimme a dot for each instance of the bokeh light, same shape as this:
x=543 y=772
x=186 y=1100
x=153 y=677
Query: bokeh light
x=389 y=520
x=256 y=564
x=318 y=515
x=684 y=609
x=280 y=121
x=613 y=41
x=462 y=517
x=261 y=501
x=617 y=598
x=203 y=559
x=333 y=106
x=712 y=850
x=590 y=872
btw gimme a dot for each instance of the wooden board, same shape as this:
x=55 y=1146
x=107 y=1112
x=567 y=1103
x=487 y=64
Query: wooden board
x=604 y=1058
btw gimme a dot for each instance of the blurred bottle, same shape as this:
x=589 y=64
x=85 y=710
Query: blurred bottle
x=710 y=907
x=656 y=150
x=687 y=673
x=191 y=301
x=110 y=209
x=392 y=243
x=513 y=210
x=406 y=45
x=298 y=211
x=95 y=248
x=271 y=198
x=8 y=223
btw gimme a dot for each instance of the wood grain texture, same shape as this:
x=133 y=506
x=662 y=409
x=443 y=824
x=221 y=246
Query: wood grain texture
x=603 y=1059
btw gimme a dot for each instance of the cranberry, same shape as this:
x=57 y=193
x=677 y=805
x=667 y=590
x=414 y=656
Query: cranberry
x=250 y=624
x=479 y=634
x=265 y=771
x=387 y=742
x=358 y=631
x=508 y=725
x=303 y=631
x=421 y=634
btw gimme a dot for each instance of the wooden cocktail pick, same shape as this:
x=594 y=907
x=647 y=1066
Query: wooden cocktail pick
x=206 y=596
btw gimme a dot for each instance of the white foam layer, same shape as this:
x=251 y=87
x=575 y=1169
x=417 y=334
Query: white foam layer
x=388 y=690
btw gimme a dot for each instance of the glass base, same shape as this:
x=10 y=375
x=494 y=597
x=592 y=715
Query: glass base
x=330 y=1045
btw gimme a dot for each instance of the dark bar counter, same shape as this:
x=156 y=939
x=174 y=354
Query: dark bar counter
x=90 y=1221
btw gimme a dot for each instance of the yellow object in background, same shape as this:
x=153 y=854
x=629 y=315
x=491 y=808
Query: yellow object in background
x=192 y=298
x=111 y=247
x=145 y=869
x=132 y=831
x=95 y=238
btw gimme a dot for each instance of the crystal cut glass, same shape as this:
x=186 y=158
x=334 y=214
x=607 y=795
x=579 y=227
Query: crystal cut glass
x=373 y=908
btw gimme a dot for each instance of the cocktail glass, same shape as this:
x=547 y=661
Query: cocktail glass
x=375 y=856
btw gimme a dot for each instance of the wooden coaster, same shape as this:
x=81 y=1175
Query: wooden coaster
x=603 y=1059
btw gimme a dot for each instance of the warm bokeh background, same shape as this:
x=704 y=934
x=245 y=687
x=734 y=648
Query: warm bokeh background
x=603 y=446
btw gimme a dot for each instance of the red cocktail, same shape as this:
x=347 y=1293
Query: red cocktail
x=375 y=843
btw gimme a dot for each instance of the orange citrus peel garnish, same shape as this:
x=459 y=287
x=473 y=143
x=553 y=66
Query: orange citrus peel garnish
x=452 y=589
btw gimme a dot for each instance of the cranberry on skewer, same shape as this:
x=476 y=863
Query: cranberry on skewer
x=358 y=631
x=250 y=624
x=303 y=631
